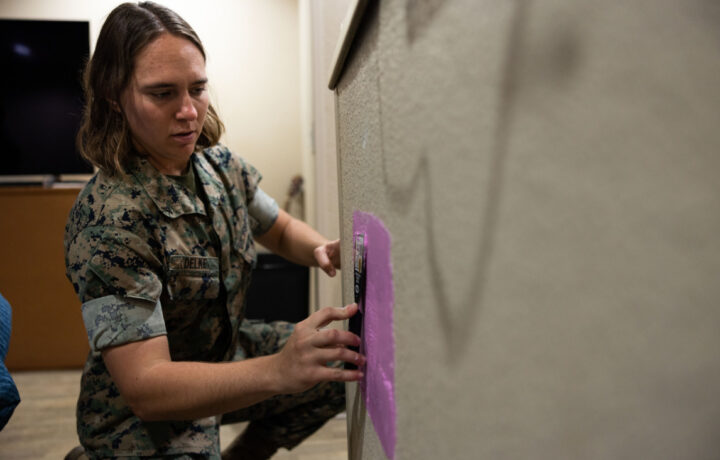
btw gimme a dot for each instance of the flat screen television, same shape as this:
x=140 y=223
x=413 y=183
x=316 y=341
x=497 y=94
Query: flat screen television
x=41 y=99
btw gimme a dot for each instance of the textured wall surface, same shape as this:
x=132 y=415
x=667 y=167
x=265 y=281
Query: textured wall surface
x=550 y=176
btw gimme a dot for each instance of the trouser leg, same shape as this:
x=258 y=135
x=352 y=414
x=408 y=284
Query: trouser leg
x=287 y=420
x=284 y=420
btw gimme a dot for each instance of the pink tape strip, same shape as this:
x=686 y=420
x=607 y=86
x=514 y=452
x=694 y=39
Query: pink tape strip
x=378 y=385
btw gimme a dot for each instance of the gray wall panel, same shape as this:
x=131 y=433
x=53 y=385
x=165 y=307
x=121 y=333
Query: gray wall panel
x=549 y=174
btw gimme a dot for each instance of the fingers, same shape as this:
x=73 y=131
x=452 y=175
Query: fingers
x=329 y=269
x=334 y=253
x=334 y=337
x=309 y=350
x=338 y=374
x=325 y=316
x=323 y=259
x=327 y=257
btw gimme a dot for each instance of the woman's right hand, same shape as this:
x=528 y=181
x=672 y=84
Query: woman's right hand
x=303 y=361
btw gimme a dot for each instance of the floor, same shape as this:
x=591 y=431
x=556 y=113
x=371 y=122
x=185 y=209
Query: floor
x=43 y=425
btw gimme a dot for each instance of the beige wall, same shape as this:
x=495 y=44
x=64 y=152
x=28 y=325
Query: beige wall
x=253 y=67
x=322 y=32
x=549 y=174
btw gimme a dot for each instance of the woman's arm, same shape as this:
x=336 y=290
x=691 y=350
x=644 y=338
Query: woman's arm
x=296 y=241
x=157 y=388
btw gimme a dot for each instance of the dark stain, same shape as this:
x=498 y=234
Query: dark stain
x=457 y=321
x=419 y=15
x=709 y=14
x=558 y=57
x=565 y=56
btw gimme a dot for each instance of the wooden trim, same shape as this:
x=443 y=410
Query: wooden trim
x=347 y=33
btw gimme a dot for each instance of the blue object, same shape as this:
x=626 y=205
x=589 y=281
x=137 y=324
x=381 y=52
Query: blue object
x=9 y=397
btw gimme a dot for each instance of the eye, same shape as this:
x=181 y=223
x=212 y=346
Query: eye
x=161 y=94
x=197 y=91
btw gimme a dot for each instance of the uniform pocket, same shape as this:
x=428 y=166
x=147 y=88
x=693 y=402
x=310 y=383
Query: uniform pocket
x=242 y=241
x=193 y=277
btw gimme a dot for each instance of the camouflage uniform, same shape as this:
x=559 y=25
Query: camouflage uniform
x=148 y=257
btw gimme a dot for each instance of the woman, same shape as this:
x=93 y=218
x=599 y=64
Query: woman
x=159 y=247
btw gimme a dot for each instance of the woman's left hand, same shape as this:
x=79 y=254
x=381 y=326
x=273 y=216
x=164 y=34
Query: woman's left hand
x=327 y=257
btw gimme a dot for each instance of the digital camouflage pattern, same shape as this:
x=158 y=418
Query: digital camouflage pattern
x=285 y=419
x=148 y=257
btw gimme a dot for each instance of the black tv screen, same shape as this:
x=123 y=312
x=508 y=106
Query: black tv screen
x=41 y=99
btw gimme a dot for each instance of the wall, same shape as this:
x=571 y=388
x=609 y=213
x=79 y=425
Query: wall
x=322 y=32
x=253 y=67
x=549 y=173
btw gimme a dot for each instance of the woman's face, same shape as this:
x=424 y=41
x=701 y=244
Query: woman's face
x=166 y=101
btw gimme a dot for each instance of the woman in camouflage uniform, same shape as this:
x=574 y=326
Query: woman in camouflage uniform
x=159 y=248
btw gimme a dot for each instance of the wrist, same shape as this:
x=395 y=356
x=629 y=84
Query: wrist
x=274 y=375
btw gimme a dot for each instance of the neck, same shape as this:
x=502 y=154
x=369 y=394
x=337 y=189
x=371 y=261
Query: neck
x=173 y=168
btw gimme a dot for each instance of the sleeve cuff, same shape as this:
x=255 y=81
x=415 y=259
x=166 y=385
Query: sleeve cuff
x=114 y=320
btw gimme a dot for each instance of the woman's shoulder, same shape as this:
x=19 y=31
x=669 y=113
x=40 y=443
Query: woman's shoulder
x=108 y=200
x=224 y=158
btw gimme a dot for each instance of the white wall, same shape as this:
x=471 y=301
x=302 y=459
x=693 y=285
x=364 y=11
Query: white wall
x=253 y=67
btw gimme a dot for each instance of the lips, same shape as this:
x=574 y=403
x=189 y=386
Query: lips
x=184 y=137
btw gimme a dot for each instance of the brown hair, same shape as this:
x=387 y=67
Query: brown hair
x=104 y=137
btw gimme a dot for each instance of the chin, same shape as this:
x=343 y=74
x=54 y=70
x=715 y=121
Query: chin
x=187 y=150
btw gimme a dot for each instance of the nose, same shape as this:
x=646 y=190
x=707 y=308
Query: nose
x=187 y=109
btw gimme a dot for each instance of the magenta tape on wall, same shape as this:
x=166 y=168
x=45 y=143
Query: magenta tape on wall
x=378 y=384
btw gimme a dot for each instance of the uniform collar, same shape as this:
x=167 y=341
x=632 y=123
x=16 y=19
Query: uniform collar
x=212 y=184
x=172 y=198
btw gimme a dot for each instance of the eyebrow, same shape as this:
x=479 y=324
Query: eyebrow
x=162 y=85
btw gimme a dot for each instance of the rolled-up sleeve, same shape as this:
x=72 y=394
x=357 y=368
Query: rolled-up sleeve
x=113 y=320
x=120 y=289
x=263 y=210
